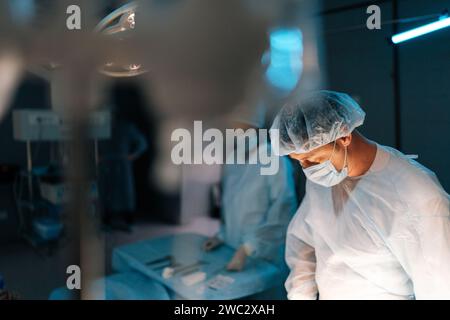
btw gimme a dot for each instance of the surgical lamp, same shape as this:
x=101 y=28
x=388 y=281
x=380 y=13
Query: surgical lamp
x=117 y=22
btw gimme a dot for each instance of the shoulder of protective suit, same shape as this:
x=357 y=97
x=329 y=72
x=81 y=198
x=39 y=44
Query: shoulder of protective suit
x=412 y=180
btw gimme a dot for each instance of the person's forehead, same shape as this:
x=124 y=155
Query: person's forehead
x=314 y=153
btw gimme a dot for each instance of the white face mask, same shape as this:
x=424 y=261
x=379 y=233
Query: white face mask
x=325 y=173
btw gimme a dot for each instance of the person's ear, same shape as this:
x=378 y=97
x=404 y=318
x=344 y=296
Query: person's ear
x=345 y=141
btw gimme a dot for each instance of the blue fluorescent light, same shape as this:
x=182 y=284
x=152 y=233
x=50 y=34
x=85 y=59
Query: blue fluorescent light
x=420 y=31
x=285 y=58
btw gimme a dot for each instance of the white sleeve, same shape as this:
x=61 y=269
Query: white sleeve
x=301 y=259
x=425 y=254
x=268 y=237
x=221 y=233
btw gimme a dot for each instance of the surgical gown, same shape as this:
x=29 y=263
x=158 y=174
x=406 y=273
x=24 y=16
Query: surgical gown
x=256 y=209
x=383 y=235
x=116 y=170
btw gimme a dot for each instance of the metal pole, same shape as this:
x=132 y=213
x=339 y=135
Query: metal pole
x=97 y=157
x=29 y=171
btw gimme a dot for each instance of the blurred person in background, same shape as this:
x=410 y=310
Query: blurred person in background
x=117 y=184
x=255 y=208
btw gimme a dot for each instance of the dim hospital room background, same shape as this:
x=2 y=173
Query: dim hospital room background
x=199 y=68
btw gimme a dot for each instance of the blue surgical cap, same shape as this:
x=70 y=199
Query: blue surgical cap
x=315 y=120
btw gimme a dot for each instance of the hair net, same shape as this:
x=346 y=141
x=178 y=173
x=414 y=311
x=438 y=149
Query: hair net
x=319 y=118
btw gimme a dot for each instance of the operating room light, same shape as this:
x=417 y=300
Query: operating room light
x=134 y=67
x=22 y=11
x=120 y=20
x=131 y=20
x=286 y=50
x=420 y=31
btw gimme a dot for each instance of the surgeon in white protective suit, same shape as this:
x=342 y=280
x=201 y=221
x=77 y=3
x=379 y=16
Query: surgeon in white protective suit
x=374 y=224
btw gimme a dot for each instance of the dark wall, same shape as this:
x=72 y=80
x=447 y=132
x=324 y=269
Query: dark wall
x=425 y=93
x=361 y=62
